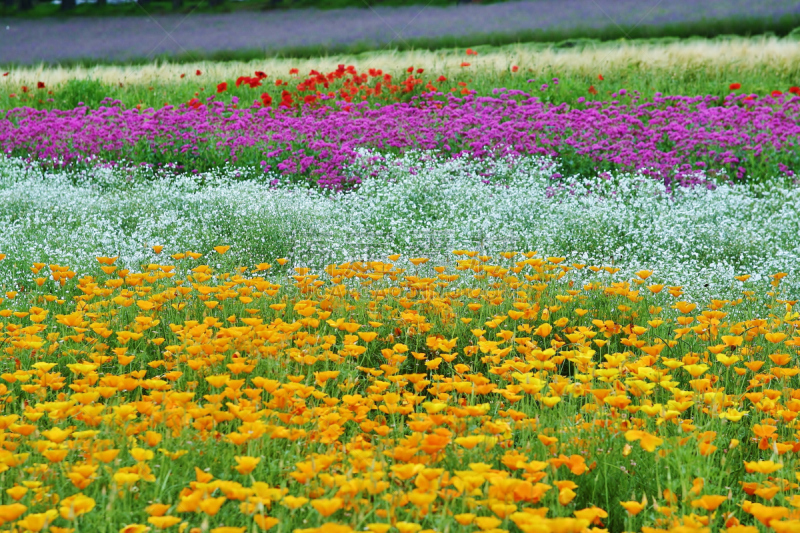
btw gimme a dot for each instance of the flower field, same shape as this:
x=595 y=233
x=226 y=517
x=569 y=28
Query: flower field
x=603 y=136
x=568 y=305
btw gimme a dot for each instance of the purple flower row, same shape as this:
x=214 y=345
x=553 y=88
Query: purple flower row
x=672 y=138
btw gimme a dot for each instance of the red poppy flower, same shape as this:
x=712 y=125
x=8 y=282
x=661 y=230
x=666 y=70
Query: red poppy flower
x=514 y=68
x=410 y=69
x=24 y=89
x=592 y=90
x=795 y=90
x=420 y=70
x=260 y=75
x=5 y=74
x=293 y=71
x=776 y=93
x=197 y=72
x=441 y=79
x=40 y=85
x=600 y=77
x=278 y=83
x=266 y=100
x=734 y=86
x=183 y=75
x=222 y=87
x=464 y=64
x=471 y=52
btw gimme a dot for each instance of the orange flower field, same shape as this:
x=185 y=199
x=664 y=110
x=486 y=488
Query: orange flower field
x=504 y=393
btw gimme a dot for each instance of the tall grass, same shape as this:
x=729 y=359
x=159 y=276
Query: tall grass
x=670 y=66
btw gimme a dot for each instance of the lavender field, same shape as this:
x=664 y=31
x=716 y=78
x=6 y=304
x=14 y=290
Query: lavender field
x=30 y=41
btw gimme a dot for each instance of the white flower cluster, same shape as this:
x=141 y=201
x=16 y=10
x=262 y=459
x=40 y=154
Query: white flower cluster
x=418 y=205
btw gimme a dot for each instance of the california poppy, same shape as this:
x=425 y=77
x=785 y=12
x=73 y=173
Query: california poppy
x=709 y=503
x=634 y=507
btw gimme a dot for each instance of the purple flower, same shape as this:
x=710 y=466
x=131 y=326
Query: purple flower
x=679 y=140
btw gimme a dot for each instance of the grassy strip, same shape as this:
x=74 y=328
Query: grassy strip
x=557 y=37
x=671 y=66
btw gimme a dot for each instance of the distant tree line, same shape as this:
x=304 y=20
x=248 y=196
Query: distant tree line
x=66 y=5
